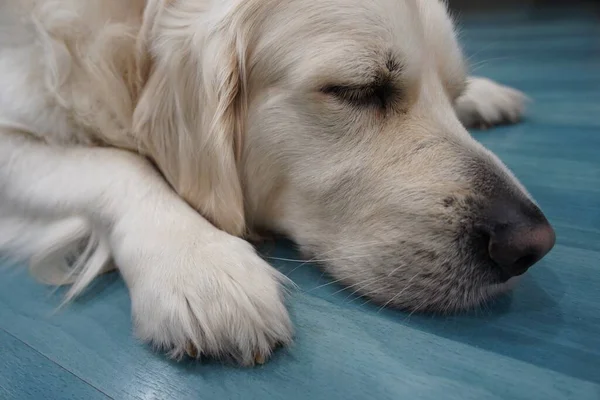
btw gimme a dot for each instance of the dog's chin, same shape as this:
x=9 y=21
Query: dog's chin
x=459 y=299
x=472 y=300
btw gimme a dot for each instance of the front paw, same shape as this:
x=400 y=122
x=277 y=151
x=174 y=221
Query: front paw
x=217 y=299
x=487 y=103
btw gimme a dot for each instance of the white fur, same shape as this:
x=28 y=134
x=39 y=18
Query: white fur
x=85 y=85
x=488 y=103
x=190 y=283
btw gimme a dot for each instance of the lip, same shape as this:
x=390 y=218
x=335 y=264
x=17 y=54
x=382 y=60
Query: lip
x=500 y=288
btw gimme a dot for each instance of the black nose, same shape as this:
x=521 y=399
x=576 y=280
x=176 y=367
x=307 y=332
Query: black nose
x=519 y=236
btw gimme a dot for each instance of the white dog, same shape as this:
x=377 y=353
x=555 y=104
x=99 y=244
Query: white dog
x=154 y=135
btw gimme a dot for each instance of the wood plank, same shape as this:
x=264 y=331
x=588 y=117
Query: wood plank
x=26 y=374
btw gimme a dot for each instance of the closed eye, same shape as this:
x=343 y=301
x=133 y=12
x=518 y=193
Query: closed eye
x=377 y=94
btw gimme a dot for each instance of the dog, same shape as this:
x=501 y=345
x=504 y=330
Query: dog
x=154 y=136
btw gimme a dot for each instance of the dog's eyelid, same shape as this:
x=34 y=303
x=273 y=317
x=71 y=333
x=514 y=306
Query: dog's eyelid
x=377 y=91
x=343 y=89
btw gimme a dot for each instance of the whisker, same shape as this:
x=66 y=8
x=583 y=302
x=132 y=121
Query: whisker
x=408 y=285
x=369 y=280
x=366 y=297
x=364 y=283
x=326 y=284
x=321 y=259
x=418 y=308
x=314 y=259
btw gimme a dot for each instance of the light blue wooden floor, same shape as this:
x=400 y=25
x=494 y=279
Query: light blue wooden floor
x=542 y=342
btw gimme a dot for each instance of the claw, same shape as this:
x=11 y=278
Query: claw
x=259 y=359
x=191 y=350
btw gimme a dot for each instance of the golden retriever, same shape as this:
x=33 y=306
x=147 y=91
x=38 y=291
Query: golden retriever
x=154 y=135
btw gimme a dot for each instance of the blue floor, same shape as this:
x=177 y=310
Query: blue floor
x=541 y=342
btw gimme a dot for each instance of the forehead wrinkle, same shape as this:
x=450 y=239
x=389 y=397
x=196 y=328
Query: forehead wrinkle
x=392 y=50
x=347 y=39
x=367 y=72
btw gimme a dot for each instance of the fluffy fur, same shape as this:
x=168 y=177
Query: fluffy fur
x=154 y=135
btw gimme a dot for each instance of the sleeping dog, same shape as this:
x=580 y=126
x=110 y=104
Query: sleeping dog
x=155 y=135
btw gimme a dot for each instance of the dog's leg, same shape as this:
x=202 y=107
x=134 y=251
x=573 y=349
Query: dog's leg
x=194 y=288
x=486 y=103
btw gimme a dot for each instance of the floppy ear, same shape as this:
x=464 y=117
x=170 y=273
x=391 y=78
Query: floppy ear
x=188 y=118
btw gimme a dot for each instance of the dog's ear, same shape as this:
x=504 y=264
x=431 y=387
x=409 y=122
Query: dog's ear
x=188 y=118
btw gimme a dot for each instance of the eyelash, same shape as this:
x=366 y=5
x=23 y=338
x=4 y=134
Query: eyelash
x=361 y=96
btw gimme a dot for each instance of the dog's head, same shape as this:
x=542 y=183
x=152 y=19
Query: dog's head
x=332 y=121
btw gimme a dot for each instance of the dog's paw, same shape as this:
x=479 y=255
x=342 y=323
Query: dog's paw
x=486 y=103
x=214 y=298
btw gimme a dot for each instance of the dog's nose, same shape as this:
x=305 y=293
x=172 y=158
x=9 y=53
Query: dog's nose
x=519 y=236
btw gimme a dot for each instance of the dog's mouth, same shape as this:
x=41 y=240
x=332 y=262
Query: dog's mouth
x=439 y=277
